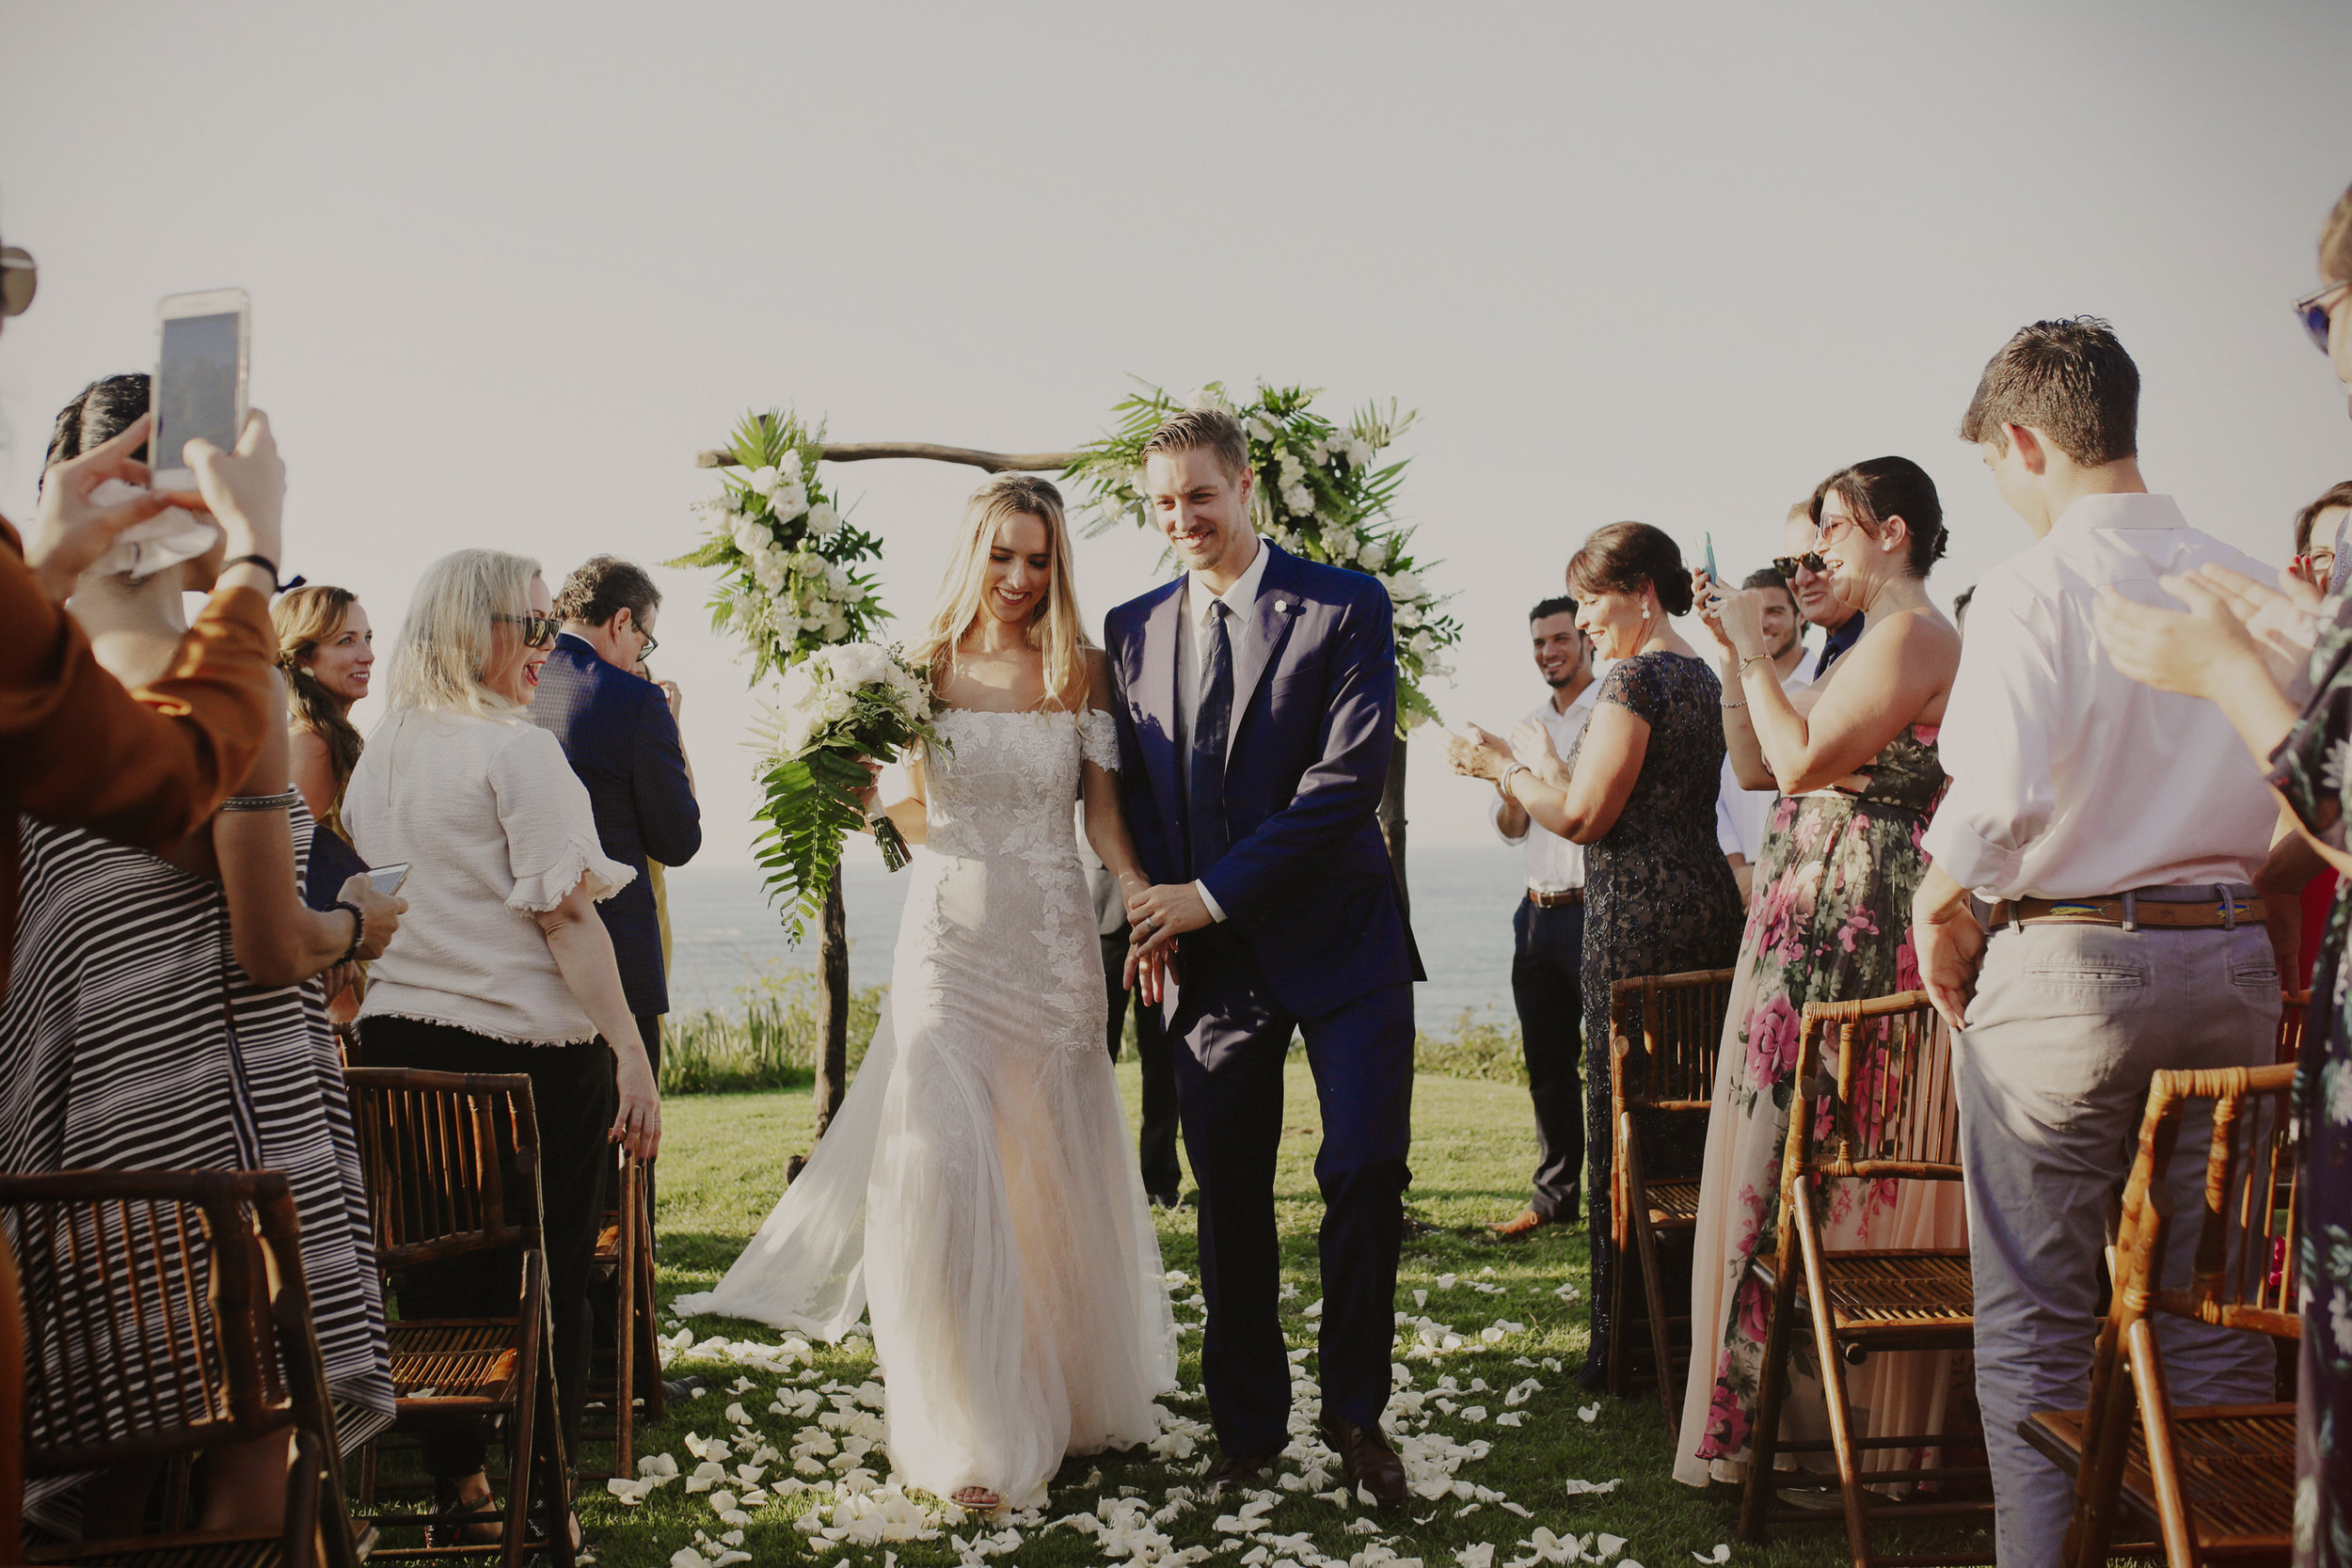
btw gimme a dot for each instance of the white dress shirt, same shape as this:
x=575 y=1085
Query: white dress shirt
x=1554 y=865
x=1192 y=651
x=1741 y=815
x=2068 y=780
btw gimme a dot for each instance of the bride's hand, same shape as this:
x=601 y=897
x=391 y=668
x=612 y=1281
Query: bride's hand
x=871 y=793
x=1479 y=754
x=1161 y=913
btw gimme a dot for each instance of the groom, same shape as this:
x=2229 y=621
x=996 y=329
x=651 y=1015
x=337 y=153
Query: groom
x=1256 y=704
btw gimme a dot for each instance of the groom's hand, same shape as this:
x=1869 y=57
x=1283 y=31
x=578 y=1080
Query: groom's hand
x=1161 y=913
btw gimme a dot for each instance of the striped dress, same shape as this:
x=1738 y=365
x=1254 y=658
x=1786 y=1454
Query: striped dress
x=131 y=1039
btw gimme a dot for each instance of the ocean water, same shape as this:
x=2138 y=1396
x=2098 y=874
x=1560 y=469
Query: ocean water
x=724 y=933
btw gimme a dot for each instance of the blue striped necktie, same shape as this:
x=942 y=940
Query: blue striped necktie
x=1211 y=723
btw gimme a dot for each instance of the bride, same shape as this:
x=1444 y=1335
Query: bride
x=978 y=1190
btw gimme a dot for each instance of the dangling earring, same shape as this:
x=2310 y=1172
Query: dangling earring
x=1646 y=612
x=307 y=670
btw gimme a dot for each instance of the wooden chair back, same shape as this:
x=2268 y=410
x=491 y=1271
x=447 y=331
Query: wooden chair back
x=1892 y=1111
x=162 y=1313
x=451 y=1161
x=2243 y=1277
x=1666 y=1030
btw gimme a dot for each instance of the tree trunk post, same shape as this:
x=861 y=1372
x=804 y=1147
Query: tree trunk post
x=832 y=1001
x=1392 y=823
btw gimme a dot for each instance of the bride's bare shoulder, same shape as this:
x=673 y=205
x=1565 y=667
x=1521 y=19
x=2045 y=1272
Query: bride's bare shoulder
x=1096 y=672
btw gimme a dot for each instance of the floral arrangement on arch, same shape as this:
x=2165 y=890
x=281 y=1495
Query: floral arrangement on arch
x=1322 y=493
x=787 y=558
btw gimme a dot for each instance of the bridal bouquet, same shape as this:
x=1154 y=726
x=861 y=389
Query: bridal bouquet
x=841 y=703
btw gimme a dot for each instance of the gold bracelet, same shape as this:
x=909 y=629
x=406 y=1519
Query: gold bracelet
x=1751 y=660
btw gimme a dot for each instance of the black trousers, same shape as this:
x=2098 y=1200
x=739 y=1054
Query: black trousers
x=1155 y=1146
x=572 y=1098
x=1547 y=966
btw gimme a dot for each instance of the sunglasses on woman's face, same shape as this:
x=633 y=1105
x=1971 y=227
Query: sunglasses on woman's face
x=538 y=630
x=19 y=278
x=1811 y=560
x=2312 y=310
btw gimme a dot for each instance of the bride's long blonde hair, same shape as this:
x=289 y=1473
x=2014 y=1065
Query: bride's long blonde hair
x=1055 y=630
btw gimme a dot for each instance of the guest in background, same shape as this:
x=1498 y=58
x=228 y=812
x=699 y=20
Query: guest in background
x=2245 y=647
x=1638 y=792
x=1548 y=931
x=1155 y=1142
x=619 y=735
x=1855 y=758
x=504 y=967
x=2297 y=881
x=656 y=873
x=161 y=1015
x=1841 y=623
x=1741 y=807
x=2139 y=810
x=326 y=653
x=2316 y=529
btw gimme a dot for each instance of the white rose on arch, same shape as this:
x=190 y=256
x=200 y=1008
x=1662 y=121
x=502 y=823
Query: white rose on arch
x=1298 y=500
x=789 y=499
x=763 y=480
x=824 y=519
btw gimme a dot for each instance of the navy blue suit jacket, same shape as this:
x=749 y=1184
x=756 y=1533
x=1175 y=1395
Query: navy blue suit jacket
x=1306 y=879
x=623 y=742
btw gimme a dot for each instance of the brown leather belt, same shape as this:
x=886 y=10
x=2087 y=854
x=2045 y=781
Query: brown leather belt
x=2130 y=910
x=1553 y=900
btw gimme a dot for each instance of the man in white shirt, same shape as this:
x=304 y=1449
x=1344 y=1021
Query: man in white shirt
x=1548 y=936
x=1739 y=814
x=2118 y=830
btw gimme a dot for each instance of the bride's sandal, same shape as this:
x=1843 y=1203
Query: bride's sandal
x=977 y=1500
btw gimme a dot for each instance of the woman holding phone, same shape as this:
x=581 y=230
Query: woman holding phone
x=166 y=1013
x=507 y=967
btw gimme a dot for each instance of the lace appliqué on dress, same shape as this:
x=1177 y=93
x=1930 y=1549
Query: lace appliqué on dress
x=1098 y=739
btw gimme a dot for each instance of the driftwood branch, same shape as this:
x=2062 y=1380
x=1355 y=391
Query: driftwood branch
x=861 y=451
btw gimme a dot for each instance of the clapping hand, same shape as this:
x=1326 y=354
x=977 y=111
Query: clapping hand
x=1479 y=755
x=1530 y=743
x=2198 y=652
x=2284 y=620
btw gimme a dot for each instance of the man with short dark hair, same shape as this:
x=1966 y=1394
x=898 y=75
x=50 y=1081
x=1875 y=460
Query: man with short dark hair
x=618 y=732
x=1739 y=813
x=1841 y=623
x=2118 y=829
x=1548 y=936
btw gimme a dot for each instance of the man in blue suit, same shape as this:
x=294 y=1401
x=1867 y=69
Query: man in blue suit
x=617 y=730
x=1256 y=710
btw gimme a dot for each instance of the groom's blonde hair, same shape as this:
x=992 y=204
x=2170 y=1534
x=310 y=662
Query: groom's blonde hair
x=1055 y=628
x=1211 y=429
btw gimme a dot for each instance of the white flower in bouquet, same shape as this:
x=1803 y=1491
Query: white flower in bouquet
x=1359 y=453
x=763 y=480
x=768 y=567
x=1405 y=585
x=1298 y=500
x=790 y=500
x=824 y=519
x=750 y=535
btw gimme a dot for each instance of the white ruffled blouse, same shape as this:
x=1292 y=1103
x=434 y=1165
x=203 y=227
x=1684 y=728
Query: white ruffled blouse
x=496 y=828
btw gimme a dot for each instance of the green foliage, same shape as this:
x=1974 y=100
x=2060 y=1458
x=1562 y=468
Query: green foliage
x=1485 y=1050
x=1320 y=494
x=772 y=1038
x=788 y=560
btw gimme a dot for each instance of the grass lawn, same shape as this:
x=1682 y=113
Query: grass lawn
x=722 y=1165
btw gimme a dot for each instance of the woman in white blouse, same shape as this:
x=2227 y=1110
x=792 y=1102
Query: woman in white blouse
x=503 y=965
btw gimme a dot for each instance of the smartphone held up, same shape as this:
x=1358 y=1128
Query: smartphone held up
x=204 y=344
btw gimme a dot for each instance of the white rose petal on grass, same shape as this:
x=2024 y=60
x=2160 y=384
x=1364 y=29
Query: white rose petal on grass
x=1588 y=1413
x=1722 y=1554
x=1480 y=1556
x=1510 y=1418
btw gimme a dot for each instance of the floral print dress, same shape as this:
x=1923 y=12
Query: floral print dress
x=1830 y=921
x=2310 y=768
x=1659 y=895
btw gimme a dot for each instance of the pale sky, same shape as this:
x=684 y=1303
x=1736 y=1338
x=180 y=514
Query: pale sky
x=512 y=266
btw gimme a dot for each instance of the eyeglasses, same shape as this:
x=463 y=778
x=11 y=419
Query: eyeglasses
x=538 y=630
x=1811 y=560
x=19 y=278
x=646 y=651
x=2312 y=310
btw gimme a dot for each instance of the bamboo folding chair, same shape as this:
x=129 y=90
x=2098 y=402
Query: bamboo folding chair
x=1665 y=1032
x=1889 y=1113
x=146 y=1317
x=2215 y=1483
x=452 y=1161
x=624 y=1265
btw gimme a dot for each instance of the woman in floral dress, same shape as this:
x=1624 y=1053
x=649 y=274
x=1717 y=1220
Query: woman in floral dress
x=2241 y=644
x=1639 y=792
x=1854 y=758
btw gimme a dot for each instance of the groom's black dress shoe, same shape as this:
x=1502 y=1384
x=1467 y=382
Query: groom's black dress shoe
x=1366 y=1460
x=1236 y=1473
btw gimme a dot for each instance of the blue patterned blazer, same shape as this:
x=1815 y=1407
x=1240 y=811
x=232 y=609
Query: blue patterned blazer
x=617 y=730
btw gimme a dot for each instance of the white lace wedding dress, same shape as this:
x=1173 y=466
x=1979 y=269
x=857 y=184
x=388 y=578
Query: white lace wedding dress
x=979 y=1190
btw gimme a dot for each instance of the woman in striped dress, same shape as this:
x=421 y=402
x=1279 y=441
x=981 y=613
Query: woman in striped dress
x=165 y=1012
